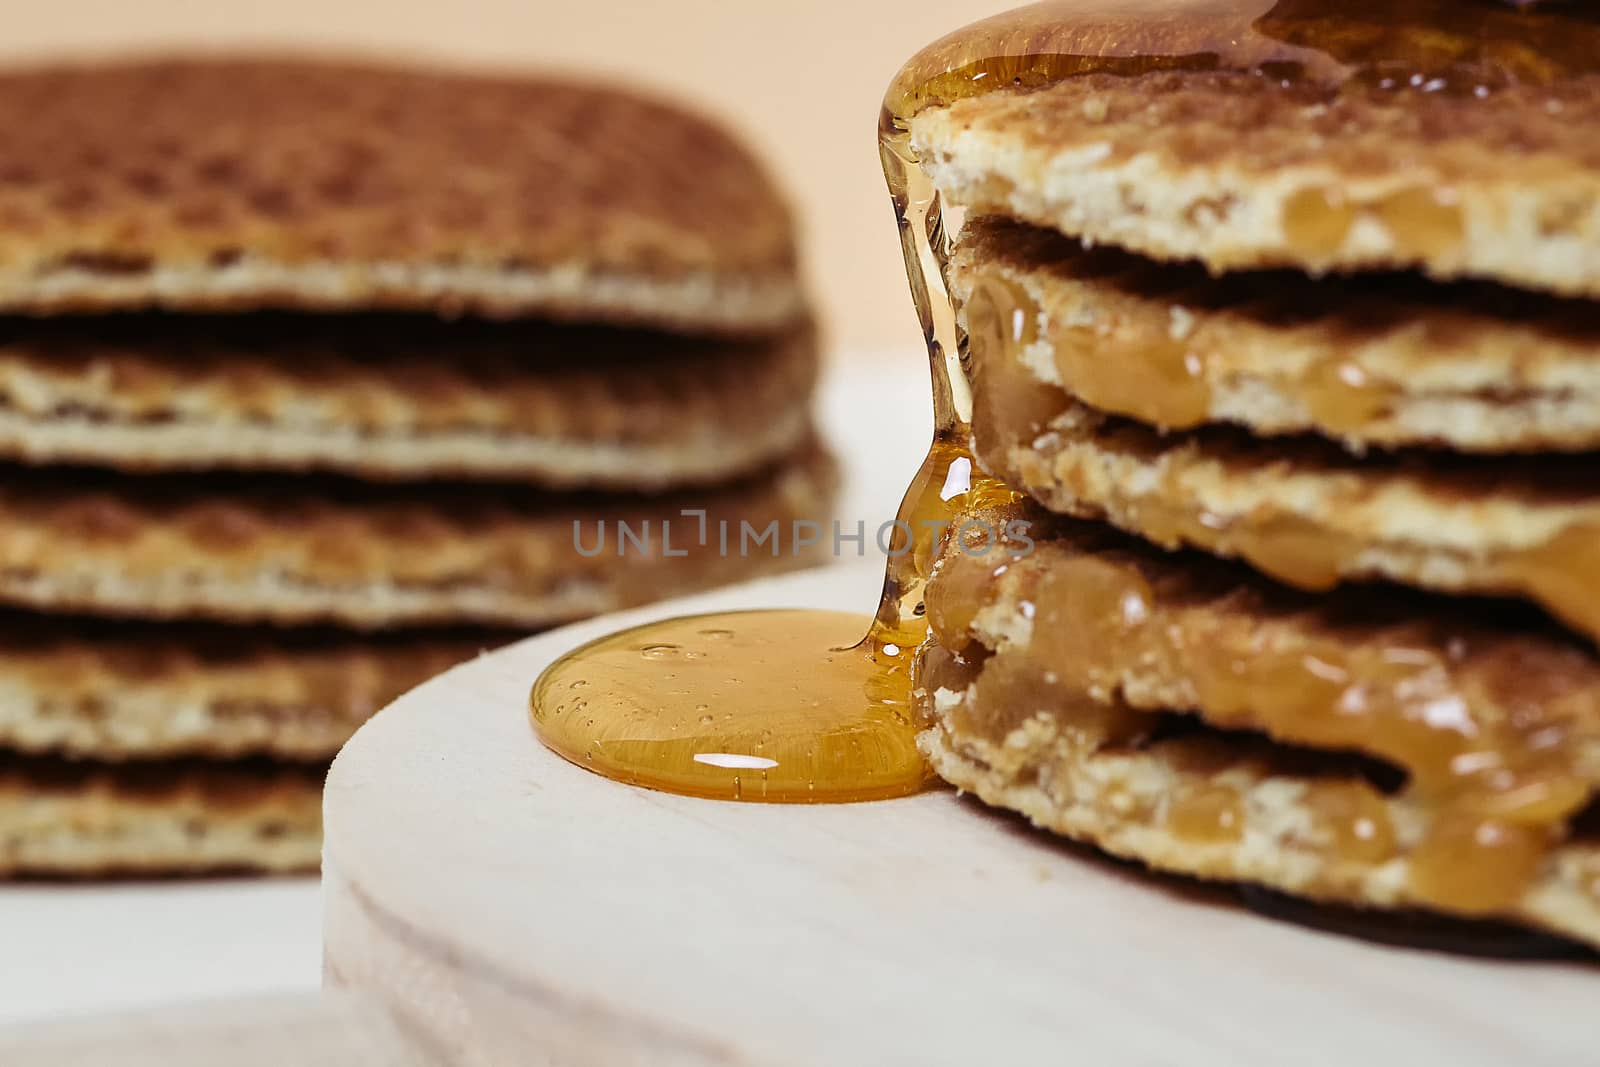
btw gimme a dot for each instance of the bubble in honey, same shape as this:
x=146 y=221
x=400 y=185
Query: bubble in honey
x=814 y=715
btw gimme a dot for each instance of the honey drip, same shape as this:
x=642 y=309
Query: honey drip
x=815 y=720
x=776 y=706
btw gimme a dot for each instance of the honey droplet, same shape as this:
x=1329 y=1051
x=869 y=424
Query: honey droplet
x=815 y=717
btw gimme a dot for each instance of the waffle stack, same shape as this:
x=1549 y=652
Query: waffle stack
x=316 y=379
x=1302 y=381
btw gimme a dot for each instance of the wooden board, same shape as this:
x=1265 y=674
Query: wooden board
x=327 y=1029
x=516 y=908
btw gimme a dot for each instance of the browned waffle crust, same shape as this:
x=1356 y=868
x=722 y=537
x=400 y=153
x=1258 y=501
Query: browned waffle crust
x=1237 y=171
x=401 y=396
x=251 y=182
x=1382 y=360
x=87 y=820
x=111 y=691
x=1048 y=685
x=289 y=551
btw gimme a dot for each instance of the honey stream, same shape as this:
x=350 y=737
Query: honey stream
x=791 y=706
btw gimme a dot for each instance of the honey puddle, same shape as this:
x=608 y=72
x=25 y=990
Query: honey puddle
x=781 y=706
x=763 y=705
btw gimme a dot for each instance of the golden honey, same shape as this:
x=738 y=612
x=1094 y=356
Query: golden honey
x=763 y=706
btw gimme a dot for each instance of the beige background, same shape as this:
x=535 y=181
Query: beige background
x=803 y=78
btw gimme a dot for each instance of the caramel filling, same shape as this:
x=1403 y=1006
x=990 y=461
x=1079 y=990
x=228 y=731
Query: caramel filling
x=1419 y=222
x=1560 y=573
x=1212 y=814
x=1160 y=371
x=1354 y=819
x=1499 y=788
x=1144 y=372
x=1476 y=865
x=1003 y=690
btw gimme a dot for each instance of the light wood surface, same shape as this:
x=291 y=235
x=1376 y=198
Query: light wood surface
x=219 y=945
x=519 y=909
x=329 y=1029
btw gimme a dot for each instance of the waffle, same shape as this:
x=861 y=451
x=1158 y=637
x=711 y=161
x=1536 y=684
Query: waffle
x=252 y=182
x=293 y=551
x=1237 y=171
x=401 y=396
x=1376 y=361
x=83 y=820
x=1105 y=796
x=113 y=691
x=1302 y=510
x=1184 y=713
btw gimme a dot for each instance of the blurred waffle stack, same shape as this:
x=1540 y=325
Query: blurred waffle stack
x=312 y=380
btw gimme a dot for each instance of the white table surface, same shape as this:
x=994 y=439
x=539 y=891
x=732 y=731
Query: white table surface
x=70 y=949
